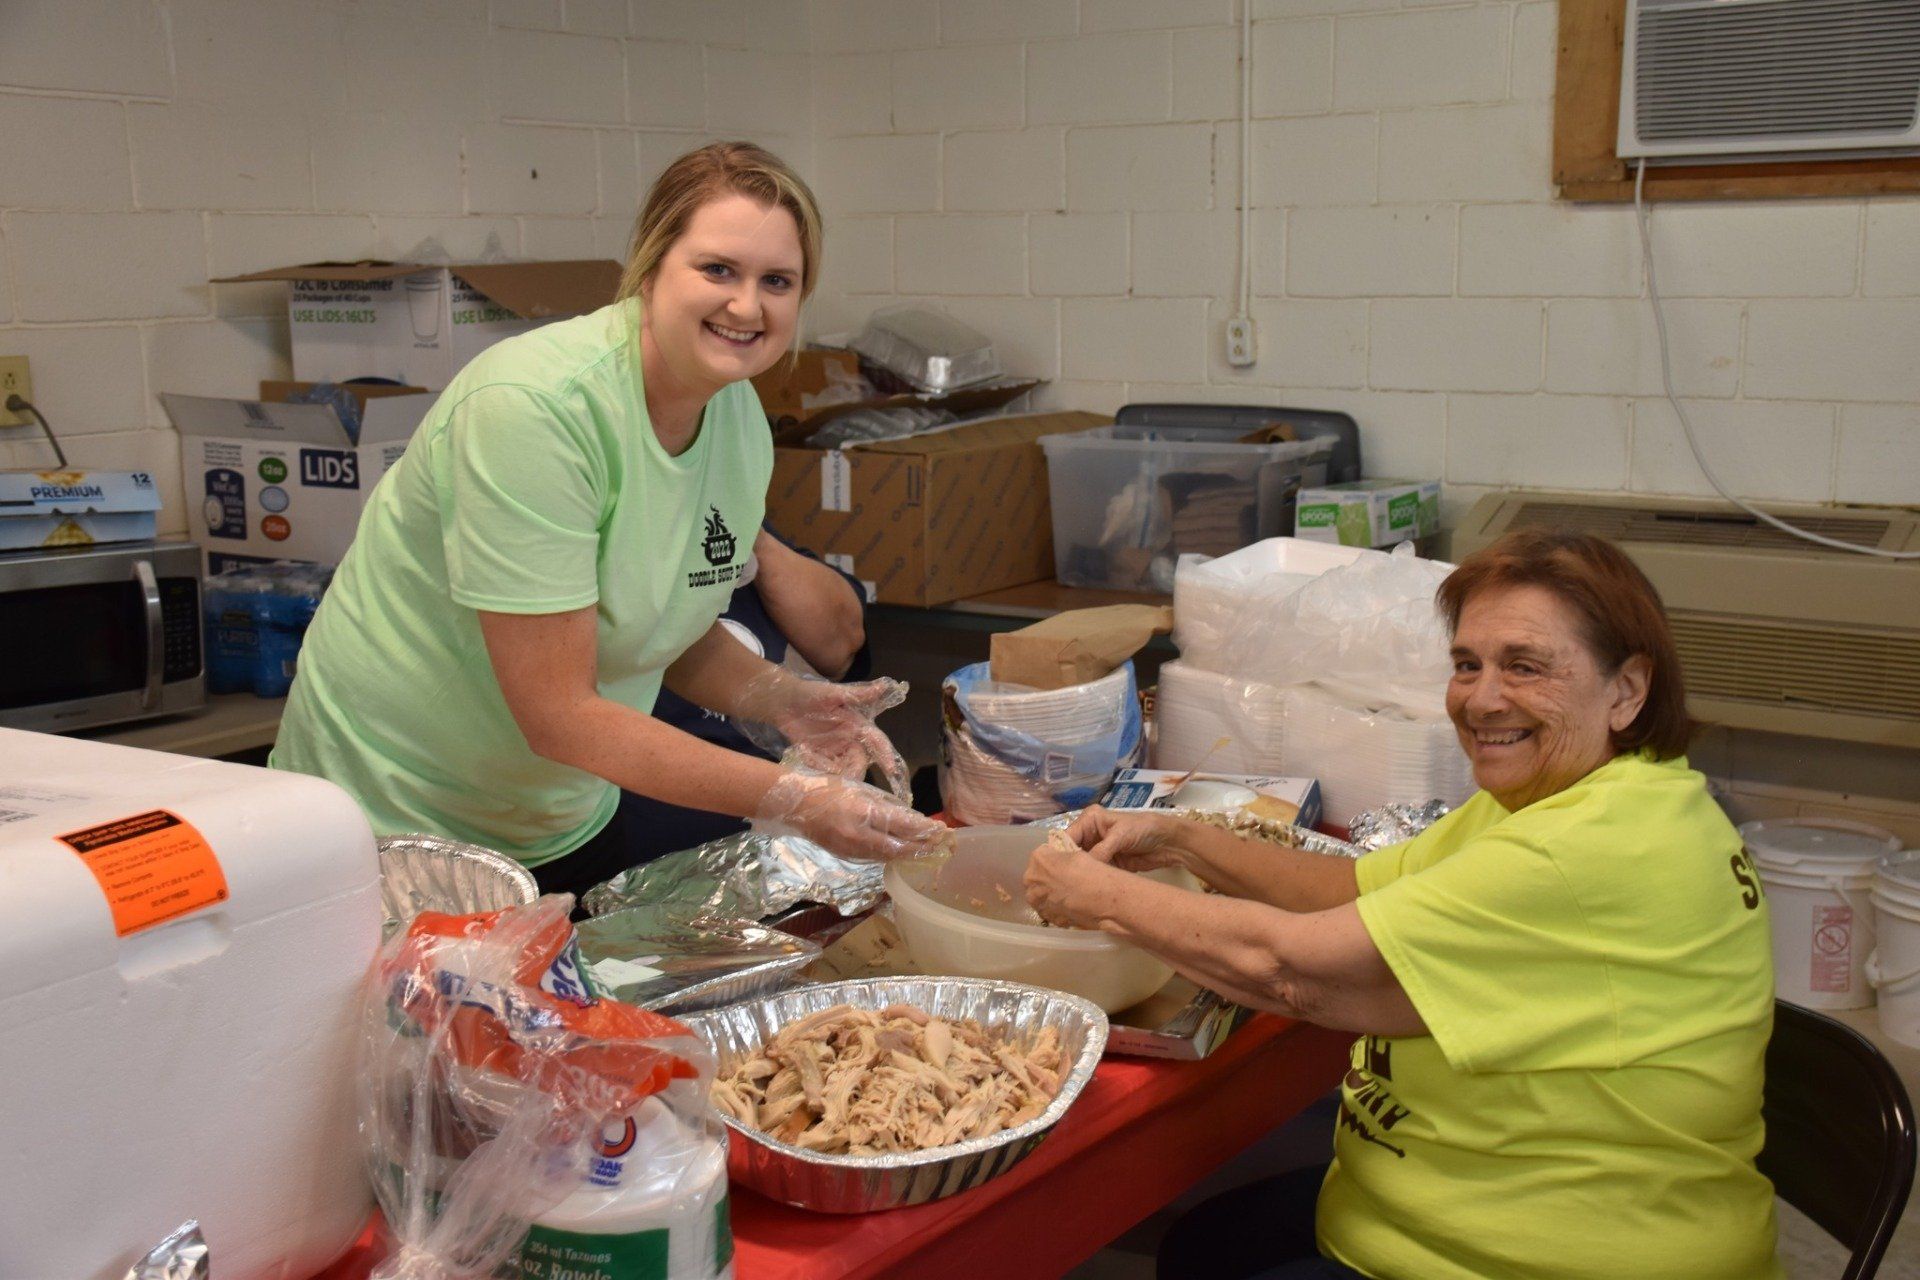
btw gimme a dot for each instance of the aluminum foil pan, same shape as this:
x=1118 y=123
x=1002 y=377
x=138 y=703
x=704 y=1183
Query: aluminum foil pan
x=432 y=873
x=860 y=1184
x=1393 y=823
x=673 y=960
x=749 y=876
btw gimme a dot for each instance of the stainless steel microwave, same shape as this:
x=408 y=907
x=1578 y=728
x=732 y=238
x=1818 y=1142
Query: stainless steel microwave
x=98 y=635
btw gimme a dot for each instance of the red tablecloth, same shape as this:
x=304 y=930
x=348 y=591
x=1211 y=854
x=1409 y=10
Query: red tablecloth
x=1143 y=1132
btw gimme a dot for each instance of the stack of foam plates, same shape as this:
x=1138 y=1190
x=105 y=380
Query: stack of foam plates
x=1366 y=757
x=1195 y=709
x=1362 y=756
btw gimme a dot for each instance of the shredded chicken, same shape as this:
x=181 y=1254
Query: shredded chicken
x=864 y=1083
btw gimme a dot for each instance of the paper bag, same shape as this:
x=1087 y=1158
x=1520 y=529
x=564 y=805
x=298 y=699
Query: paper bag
x=1075 y=647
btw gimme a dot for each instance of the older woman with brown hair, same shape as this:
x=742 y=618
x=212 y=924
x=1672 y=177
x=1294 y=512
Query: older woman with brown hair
x=1563 y=989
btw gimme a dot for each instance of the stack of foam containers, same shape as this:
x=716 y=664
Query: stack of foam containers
x=1363 y=754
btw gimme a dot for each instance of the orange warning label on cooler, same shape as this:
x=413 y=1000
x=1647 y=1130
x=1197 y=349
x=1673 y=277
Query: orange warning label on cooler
x=152 y=866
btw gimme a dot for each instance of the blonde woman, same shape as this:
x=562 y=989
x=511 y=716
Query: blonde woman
x=556 y=546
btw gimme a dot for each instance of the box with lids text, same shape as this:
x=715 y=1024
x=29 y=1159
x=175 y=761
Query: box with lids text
x=413 y=323
x=266 y=481
x=955 y=512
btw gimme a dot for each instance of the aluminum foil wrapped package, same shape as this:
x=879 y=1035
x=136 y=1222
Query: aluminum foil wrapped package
x=181 y=1256
x=748 y=876
x=1393 y=823
x=673 y=958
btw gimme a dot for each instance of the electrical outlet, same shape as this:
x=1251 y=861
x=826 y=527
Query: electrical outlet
x=14 y=380
x=1240 y=342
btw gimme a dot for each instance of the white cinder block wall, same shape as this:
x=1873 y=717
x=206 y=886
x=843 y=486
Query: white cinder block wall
x=148 y=145
x=1064 y=174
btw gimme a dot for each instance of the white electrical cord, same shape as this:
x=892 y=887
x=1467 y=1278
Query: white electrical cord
x=1246 y=156
x=1645 y=218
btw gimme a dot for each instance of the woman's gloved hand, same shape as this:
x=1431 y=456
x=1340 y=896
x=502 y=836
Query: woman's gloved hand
x=1129 y=841
x=848 y=818
x=824 y=727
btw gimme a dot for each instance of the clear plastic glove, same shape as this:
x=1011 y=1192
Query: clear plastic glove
x=824 y=727
x=848 y=818
x=1131 y=841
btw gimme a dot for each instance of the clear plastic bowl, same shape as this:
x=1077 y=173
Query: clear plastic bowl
x=968 y=916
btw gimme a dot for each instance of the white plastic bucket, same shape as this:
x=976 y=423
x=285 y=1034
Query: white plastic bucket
x=1818 y=874
x=1894 y=966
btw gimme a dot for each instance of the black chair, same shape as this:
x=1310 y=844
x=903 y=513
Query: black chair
x=1840 y=1133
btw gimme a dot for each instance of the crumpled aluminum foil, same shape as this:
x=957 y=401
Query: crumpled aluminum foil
x=674 y=959
x=745 y=877
x=1393 y=823
x=181 y=1256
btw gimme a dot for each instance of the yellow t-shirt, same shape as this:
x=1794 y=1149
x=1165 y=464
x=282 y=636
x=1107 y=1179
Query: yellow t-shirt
x=1596 y=976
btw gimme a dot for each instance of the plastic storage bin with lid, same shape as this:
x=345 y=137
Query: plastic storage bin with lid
x=1128 y=500
x=1818 y=873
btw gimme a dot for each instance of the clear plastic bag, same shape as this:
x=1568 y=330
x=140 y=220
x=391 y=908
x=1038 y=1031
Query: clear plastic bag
x=491 y=1073
x=930 y=350
x=1368 y=632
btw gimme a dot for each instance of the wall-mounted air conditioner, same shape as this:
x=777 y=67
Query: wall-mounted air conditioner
x=1769 y=79
x=1774 y=632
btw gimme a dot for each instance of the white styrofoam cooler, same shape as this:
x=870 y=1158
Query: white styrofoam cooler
x=199 y=1067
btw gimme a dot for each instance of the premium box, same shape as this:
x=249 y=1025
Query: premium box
x=74 y=508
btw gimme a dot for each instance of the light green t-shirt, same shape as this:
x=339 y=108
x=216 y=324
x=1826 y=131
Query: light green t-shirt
x=536 y=484
x=1596 y=974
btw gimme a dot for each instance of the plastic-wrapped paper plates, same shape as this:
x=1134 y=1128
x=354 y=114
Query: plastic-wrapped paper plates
x=861 y=1184
x=432 y=873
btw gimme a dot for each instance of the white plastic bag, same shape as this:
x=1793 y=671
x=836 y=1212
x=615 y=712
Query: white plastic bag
x=1368 y=632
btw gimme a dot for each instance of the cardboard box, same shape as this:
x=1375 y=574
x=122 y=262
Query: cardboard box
x=418 y=324
x=931 y=518
x=266 y=481
x=1295 y=800
x=788 y=391
x=76 y=508
x=1369 y=513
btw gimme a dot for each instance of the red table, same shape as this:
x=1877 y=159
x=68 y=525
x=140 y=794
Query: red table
x=1142 y=1133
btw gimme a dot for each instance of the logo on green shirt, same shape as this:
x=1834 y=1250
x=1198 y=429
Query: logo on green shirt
x=720 y=544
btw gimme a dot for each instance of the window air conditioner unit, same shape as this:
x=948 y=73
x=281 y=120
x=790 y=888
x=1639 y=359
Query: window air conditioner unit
x=1769 y=79
x=1774 y=633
